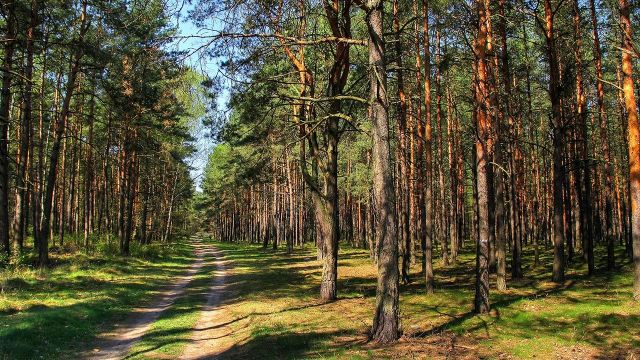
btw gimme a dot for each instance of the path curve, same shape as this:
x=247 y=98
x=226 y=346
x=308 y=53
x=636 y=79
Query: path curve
x=116 y=344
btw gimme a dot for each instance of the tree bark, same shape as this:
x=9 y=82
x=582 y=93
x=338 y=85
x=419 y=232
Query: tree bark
x=633 y=129
x=558 y=145
x=404 y=188
x=483 y=124
x=20 y=213
x=5 y=114
x=501 y=254
x=604 y=138
x=427 y=247
x=386 y=322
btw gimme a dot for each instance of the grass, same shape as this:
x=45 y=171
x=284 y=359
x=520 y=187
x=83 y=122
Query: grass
x=274 y=311
x=271 y=310
x=56 y=313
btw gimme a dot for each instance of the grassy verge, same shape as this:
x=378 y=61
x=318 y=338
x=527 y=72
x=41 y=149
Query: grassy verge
x=276 y=315
x=58 y=312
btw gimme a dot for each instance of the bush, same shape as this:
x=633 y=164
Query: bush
x=151 y=251
x=24 y=258
x=4 y=259
x=108 y=248
x=101 y=245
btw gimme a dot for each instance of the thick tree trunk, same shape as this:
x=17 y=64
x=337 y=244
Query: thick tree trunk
x=329 y=223
x=483 y=124
x=5 y=112
x=386 y=322
x=558 y=146
x=326 y=199
x=633 y=129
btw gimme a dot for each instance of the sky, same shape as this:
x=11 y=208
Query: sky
x=197 y=60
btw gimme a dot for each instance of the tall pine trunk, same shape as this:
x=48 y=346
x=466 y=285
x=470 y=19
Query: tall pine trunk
x=558 y=145
x=633 y=129
x=5 y=112
x=61 y=123
x=20 y=213
x=483 y=124
x=386 y=322
x=427 y=244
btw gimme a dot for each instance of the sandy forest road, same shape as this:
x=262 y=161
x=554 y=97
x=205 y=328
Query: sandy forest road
x=208 y=338
x=117 y=343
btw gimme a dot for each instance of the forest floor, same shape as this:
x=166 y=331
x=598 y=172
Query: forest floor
x=231 y=301
x=60 y=313
x=270 y=310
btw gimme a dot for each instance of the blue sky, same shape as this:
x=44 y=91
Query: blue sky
x=200 y=62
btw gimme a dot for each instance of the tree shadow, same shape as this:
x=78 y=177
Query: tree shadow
x=273 y=343
x=505 y=301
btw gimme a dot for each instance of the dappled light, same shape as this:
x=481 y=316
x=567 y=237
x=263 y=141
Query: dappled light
x=319 y=179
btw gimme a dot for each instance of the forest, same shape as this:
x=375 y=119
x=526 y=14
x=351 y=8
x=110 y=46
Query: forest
x=380 y=179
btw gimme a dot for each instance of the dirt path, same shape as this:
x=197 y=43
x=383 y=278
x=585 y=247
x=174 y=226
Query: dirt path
x=210 y=335
x=116 y=343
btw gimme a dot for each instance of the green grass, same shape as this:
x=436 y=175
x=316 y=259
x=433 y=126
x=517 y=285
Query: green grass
x=58 y=312
x=272 y=311
x=276 y=314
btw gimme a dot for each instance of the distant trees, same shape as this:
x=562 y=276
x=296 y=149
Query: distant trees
x=88 y=97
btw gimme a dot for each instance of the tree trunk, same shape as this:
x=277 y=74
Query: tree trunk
x=5 y=113
x=427 y=243
x=20 y=213
x=386 y=322
x=61 y=123
x=483 y=123
x=88 y=180
x=329 y=222
x=558 y=146
x=604 y=138
x=633 y=138
x=404 y=188
x=501 y=254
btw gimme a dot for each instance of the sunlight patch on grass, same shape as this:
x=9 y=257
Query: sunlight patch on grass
x=276 y=307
